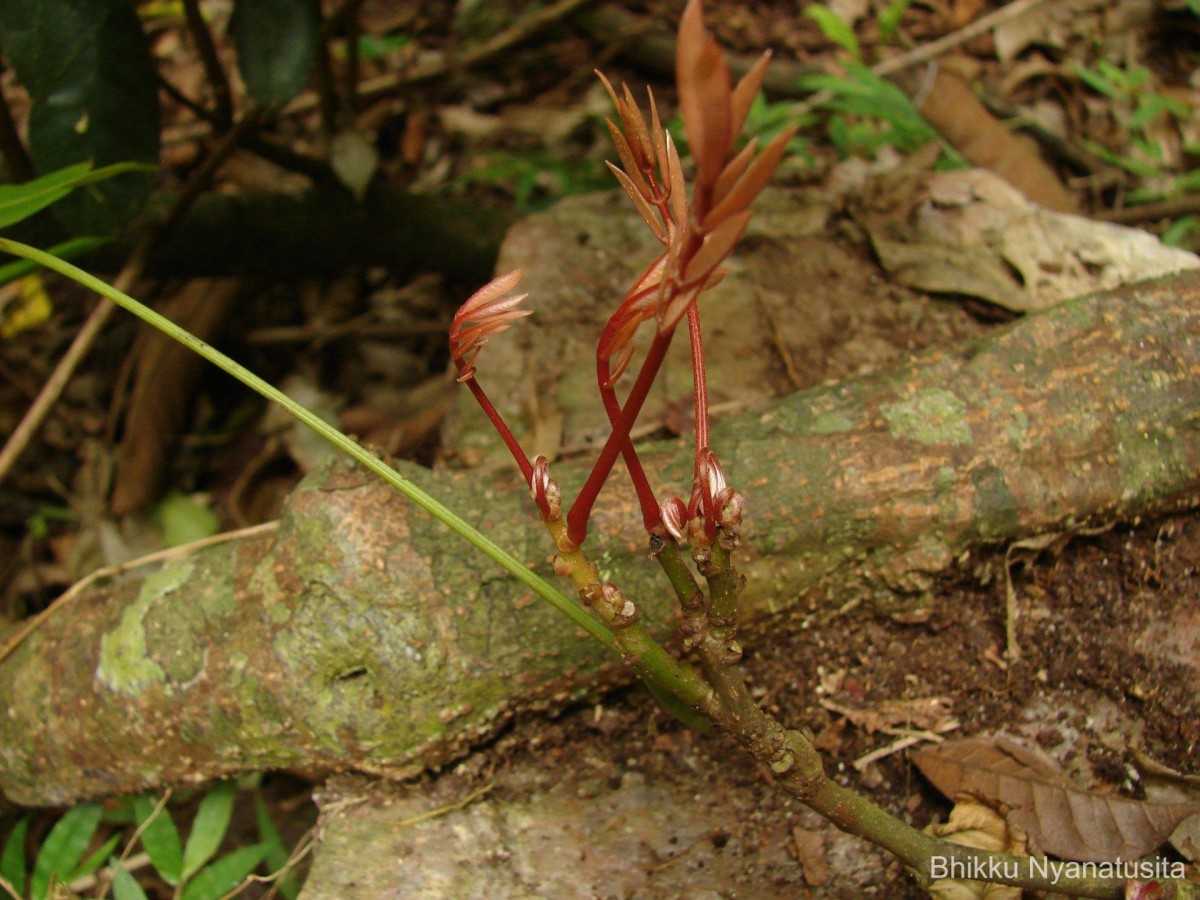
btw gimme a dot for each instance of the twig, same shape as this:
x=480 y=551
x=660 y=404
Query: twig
x=132 y=864
x=443 y=810
x=521 y=30
x=132 y=271
x=202 y=37
x=968 y=32
x=1150 y=212
x=166 y=555
x=303 y=847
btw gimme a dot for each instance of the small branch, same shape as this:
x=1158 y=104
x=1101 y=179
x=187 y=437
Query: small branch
x=1152 y=212
x=948 y=42
x=327 y=93
x=202 y=37
x=344 y=20
x=494 y=47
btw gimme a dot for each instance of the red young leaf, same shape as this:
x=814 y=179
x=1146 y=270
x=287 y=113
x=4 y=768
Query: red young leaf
x=660 y=138
x=678 y=190
x=486 y=312
x=718 y=244
x=645 y=210
x=671 y=312
x=745 y=92
x=702 y=76
x=629 y=162
x=753 y=181
x=639 y=136
x=733 y=171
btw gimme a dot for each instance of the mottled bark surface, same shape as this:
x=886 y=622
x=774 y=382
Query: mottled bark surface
x=361 y=635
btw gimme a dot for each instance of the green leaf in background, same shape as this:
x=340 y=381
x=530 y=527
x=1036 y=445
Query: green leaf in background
x=183 y=520
x=12 y=858
x=160 y=838
x=277 y=852
x=124 y=885
x=64 y=847
x=889 y=19
x=276 y=42
x=1097 y=82
x=209 y=827
x=96 y=860
x=20 y=201
x=1183 y=233
x=225 y=874
x=834 y=28
x=88 y=71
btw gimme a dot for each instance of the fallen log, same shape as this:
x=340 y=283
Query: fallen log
x=361 y=635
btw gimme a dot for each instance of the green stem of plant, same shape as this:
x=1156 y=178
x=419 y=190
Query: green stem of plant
x=722 y=577
x=367 y=460
x=676 y=684
x=857 y=815
x=683 y=582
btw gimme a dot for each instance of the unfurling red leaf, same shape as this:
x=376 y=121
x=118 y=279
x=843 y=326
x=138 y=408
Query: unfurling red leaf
x=718 y=244
x=702 y=76
x=745 y=92
x=635 y=126
x=674 y=176
x=733 y=171
x=645 y=210
x=1061 y=818
x=629 y=161
x=753 y=181
x=486 y=312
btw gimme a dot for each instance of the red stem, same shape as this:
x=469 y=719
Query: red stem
x=501 y=427
x=581 y=509
x=651 y=518
x=699 y=382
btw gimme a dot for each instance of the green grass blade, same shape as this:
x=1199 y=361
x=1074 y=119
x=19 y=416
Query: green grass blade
x=376 y=466
x=160 y=838
x=834 y=28
x=218 y=879
x=74 y=247
x=64 y=847
x=209 y=827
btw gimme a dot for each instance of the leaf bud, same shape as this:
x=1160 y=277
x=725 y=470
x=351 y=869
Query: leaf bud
x=675 y=518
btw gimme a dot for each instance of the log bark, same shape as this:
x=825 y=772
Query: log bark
x=361 y=635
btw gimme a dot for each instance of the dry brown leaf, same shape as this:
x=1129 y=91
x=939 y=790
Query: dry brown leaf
x=972 y=824
x=1061 y=818
x=930 y=713
x=1164 y=785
